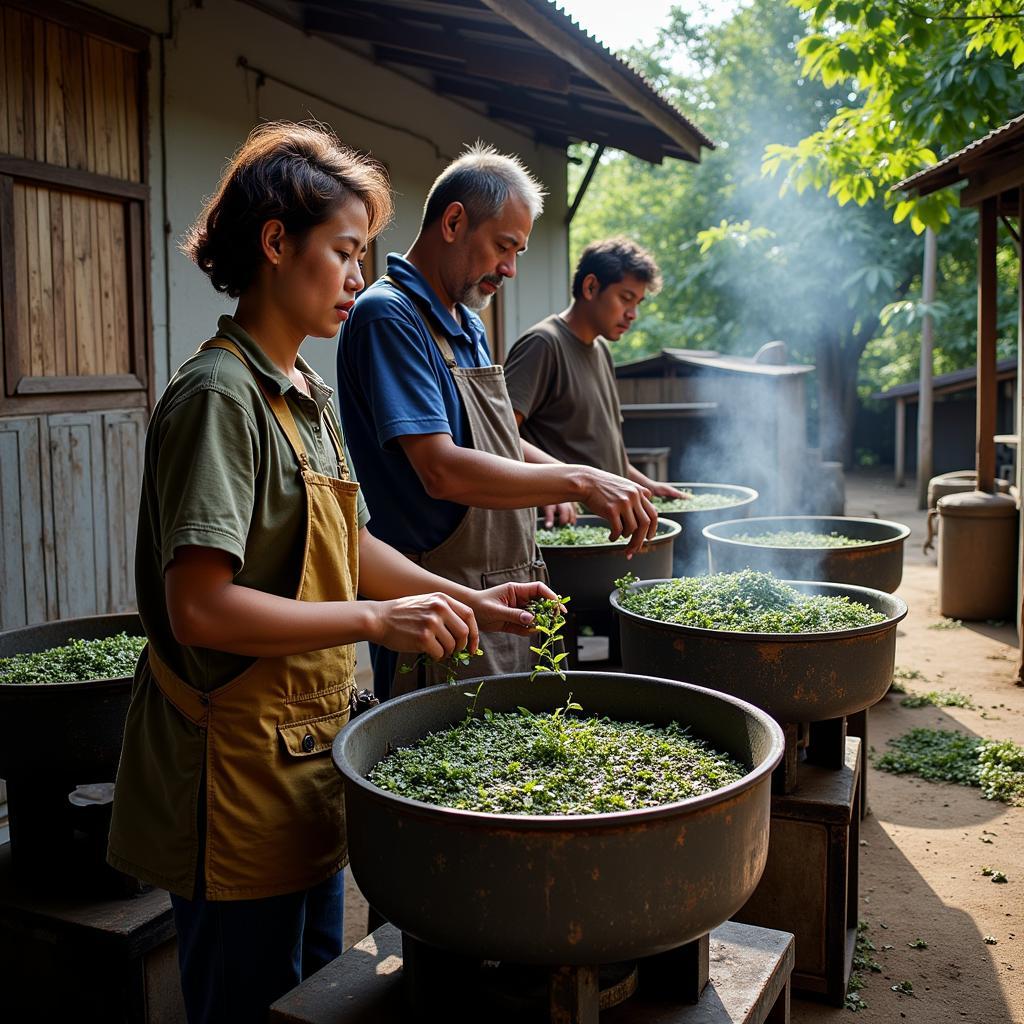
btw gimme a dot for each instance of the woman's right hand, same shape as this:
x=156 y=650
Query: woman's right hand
x=432 y=624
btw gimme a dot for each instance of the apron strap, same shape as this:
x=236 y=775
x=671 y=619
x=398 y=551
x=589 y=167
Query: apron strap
x=278 y=403
x=439 y=338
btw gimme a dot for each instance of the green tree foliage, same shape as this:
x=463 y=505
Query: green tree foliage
x=743 y=265
x=928 y=78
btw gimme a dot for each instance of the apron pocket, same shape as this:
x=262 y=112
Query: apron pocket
x=528 y=572
x=313 y=736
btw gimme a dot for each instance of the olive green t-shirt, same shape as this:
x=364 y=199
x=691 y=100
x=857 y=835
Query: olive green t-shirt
x=565 y=391
x=220 y=473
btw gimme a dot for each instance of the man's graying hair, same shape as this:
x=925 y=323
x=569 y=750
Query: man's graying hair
x=483 y=180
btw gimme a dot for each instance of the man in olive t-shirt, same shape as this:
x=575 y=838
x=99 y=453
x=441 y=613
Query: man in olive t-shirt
x=560 y=374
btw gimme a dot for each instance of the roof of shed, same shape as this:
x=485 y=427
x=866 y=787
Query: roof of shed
x=957 y=380
x=957 y=166
x=706 y=360
x=524 y=62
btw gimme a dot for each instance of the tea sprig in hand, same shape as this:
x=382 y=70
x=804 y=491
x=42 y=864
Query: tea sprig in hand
x=549 y=621
x=450 y=664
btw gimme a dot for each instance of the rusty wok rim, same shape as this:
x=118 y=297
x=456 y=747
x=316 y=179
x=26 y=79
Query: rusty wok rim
x=749 y=494
x=810 y=587
x=901 y=532
x=558 y=822
x=671 y=529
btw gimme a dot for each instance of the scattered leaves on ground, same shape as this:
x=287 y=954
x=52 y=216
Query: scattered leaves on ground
x=904 y=988
x=947 y=755
x=938 y=699
x=946 y=624
x=862 y=961
x=918 y=944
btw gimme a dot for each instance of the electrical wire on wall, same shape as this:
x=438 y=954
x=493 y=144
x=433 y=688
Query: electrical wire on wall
x=262 y=76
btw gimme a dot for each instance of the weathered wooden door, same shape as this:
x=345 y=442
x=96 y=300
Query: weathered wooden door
x=74 y=279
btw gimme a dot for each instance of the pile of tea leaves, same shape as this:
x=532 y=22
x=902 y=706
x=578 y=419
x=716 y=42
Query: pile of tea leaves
x=799 y=539
x=554 y=763
x=575 y=536
x=947 y=755
x=696 y=502
x=744 y=602
x=77 y=661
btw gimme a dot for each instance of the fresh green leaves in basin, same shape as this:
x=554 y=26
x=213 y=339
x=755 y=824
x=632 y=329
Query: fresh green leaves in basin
x=554 y=763
x=77 y=661
x=744 y=602
x=799 y=539
x=696 y=502
x=575 y=536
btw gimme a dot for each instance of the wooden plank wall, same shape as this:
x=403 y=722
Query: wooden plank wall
x=69 y=506
x=70 y=99
x=70 y=256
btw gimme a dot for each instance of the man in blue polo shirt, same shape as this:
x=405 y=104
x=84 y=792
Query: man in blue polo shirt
x=428 y=418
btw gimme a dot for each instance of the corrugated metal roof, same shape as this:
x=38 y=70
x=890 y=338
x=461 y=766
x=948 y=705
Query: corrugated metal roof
x=946 y=172
x=956 y=380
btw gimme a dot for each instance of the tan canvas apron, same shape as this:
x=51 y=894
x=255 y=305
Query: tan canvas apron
x=489 y=546
x=275 y=818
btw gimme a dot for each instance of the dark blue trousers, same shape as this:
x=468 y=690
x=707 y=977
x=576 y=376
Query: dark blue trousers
x=238 y=956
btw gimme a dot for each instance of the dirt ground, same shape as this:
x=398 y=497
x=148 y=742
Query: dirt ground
x=922 y=846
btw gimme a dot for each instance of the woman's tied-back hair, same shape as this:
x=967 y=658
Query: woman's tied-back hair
x=483 y=180
x=613 y=259
x=295 y=173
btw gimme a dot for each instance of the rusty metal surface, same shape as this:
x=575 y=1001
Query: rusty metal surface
x=587 y=572
x=84 y=722
x=878 y=565
x=802 y=677
x=690 y=557
x=560 y=889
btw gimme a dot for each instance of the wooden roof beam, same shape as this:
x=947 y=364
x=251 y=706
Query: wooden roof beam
x=631 y=93
x=993 y=178
x=513 y=65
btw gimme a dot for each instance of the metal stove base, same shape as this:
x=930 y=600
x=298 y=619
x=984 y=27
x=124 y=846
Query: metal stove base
x=749 y=969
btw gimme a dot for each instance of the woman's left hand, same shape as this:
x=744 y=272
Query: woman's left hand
x=502 y=609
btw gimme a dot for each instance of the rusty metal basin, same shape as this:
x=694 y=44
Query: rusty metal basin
x=560 y=889
x=878 y=565
x=690 y=554
x=587 y=573
x=795 y=677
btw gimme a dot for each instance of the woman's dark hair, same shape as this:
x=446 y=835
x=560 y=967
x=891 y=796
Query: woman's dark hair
x=613 y=259
x=295 y=173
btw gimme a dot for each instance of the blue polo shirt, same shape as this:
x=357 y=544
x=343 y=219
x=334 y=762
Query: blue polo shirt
x=392 y=381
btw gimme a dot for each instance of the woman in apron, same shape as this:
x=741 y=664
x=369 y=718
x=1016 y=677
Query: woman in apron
x=251 y=551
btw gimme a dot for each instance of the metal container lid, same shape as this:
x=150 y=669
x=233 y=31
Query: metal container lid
x=977 y=505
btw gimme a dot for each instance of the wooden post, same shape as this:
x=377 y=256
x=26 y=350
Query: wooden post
x=901 y=441
x=985 y=441
x=1019 y=419
x=925 y=445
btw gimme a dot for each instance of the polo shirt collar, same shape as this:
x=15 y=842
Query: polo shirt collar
x=276 y=382
x=410 y=277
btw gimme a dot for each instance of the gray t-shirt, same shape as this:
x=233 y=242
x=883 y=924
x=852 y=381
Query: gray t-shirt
x=565 y=391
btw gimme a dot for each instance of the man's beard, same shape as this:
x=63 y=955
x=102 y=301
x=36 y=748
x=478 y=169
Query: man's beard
x=474 y=297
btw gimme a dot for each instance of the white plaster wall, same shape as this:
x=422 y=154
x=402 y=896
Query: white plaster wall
x=211 y=104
